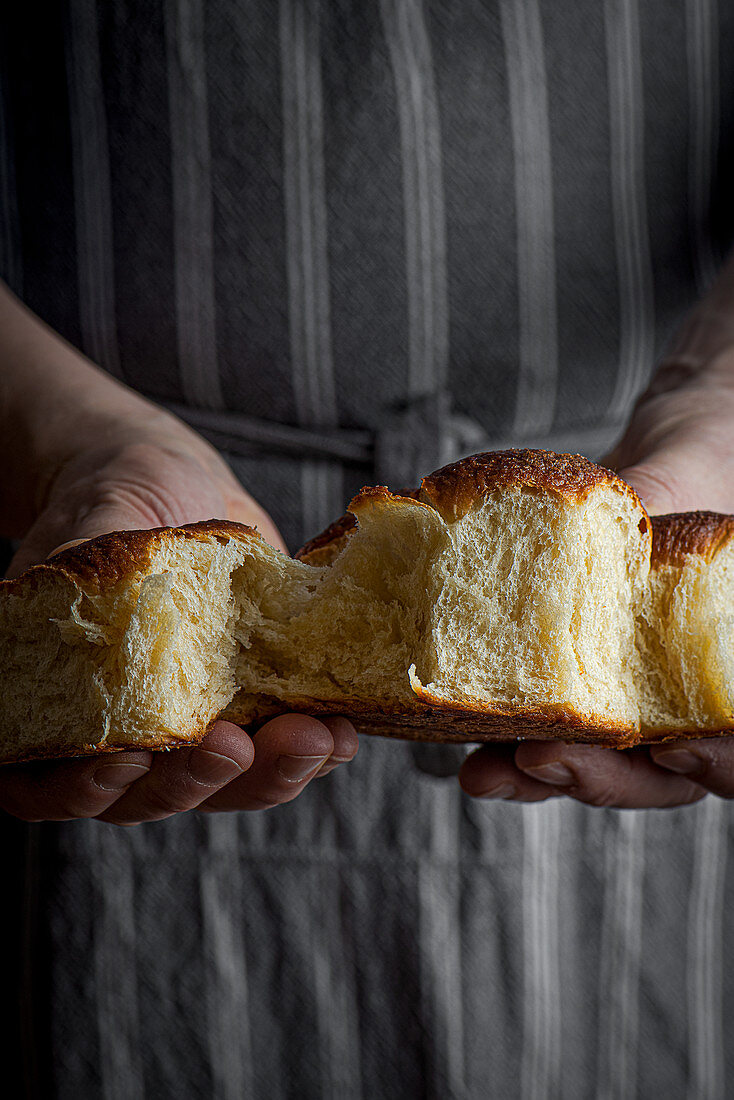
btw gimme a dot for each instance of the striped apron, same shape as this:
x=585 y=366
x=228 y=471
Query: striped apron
x=347 y=241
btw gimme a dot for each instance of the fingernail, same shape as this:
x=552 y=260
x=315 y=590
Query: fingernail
x=679 y=760
x=557 y=774
x=505 y=790
x=297 y=768
x=67 y=546
x=115 y=777
x=211 y=769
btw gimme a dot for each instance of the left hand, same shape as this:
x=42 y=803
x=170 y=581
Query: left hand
x=678 y=454
x=146 y=469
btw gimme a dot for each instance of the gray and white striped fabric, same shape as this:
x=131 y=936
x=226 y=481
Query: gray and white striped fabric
x=349 y=240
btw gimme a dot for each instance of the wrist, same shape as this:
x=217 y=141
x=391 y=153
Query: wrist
x=53 y=403
x=56 y=407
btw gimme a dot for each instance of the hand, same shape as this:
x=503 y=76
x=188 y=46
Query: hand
x=227 y=771
x=150 y=470
x=679 y=455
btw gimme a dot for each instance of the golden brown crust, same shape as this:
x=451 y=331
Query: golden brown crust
x=105 y=561
x=322 y=549
x=680 y=534
x=379 y=495
x=454 y=489
x=430 y=719
x=327 y=546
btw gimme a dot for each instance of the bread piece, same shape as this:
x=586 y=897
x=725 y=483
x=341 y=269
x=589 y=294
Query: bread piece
x=686 y=627
x=509 y=596
x=124 y=641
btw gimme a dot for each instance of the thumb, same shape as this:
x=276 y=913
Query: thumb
x=57 y=530
x=681 y=477
x=656 y=487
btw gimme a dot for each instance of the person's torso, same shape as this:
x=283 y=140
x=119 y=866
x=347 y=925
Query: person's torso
x=349 y=241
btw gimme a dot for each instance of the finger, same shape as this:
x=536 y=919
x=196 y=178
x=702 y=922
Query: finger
x=62 y=790
x=605 y=777
x=37 y=548
x=181 y=779
x=658 y=486
x=346 y=744
x=71 y=544
x=50 y=534
x=491 y=772
x=289 y=751
x=708 y=762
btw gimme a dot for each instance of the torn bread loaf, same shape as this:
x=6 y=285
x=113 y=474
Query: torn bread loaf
x=516 y=594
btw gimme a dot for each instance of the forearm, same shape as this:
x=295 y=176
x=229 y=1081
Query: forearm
x=54 y=403
x=51 y=399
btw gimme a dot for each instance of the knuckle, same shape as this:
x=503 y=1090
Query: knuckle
x=73 y=810
x=162 y=800
x=606 y=795
x=82 y=799
x=273 y=790
x=155 y=800
x=85 y=802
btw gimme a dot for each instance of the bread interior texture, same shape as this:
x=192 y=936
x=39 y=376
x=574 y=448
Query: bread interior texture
x=35 y=648
x=534 y=603
x=523 y=601
x=150 y=656
x=685 y=631
x=347 y=631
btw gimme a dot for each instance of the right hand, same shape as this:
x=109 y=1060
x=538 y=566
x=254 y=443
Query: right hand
x=151 y=471
x=678 y=454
